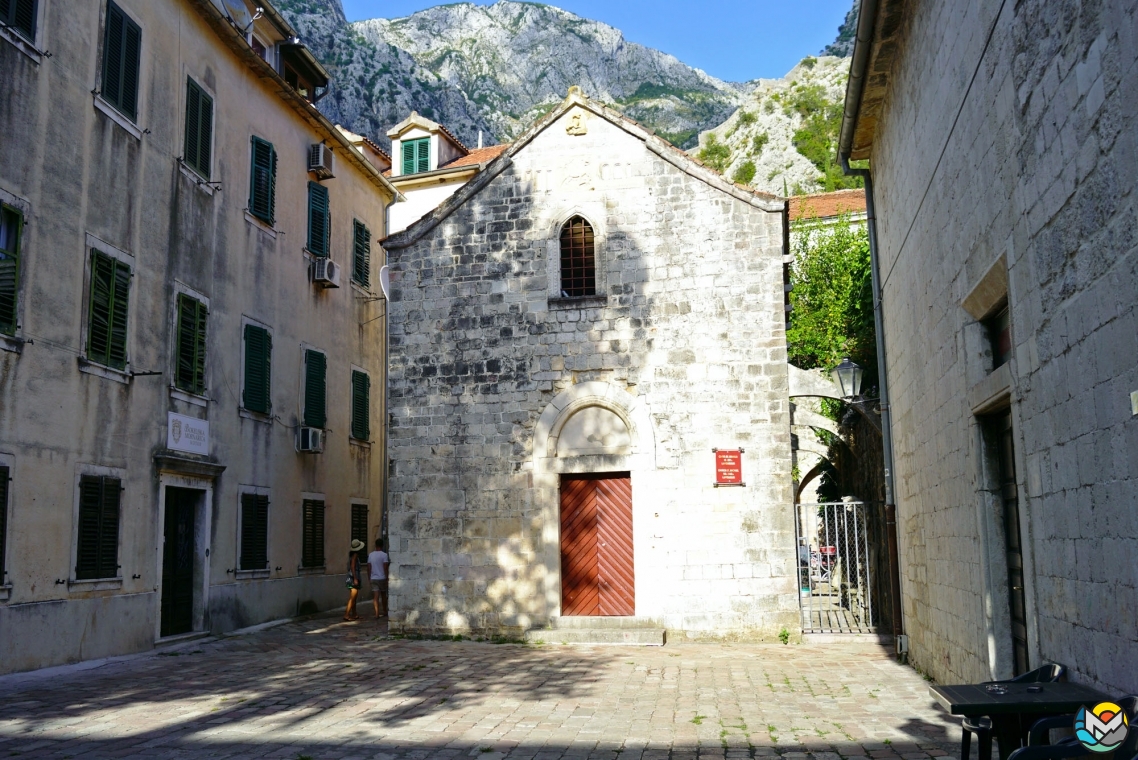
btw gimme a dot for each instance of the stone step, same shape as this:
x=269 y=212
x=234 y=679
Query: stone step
x=598 y=622
x=652 y=637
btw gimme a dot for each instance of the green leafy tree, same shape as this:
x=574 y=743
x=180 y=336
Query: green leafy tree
x=817 y=138
x=715 y=154
x=832 y=300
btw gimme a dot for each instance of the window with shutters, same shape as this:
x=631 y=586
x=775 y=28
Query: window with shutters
x=255 y=394
x=312 y=533
x=578 y=259
x=263 y=181
x=189 y=372
x=97 y=542
x=319 y=219
x=122 y=47
x=20 y=17
x=254 y=531
x=199 y=129
x=416 y=155
x=11 y=227
x=361 y=405
x=315 y=388
x=361 y=253
x=5 y=479
x=107 y=304
x=359 y=524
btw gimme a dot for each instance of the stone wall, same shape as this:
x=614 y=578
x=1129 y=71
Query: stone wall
x=1008 y=146
x=684 y=344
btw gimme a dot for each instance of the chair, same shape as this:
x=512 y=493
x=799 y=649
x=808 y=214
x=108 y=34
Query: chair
x=982 y=726
x=1069 y=747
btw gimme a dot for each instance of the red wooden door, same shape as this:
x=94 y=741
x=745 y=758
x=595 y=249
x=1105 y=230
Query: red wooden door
x=597 y=573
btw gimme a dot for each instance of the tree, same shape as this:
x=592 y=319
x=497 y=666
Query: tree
x=832 y=300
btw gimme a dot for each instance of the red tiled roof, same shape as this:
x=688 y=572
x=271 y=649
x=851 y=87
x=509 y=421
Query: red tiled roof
x=473 y=158
x=824 y=205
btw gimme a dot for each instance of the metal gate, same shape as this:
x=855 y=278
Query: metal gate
x=836 y=571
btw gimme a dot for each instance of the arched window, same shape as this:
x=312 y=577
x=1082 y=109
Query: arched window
x=578 y=259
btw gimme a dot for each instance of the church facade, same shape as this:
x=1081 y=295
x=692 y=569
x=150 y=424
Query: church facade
x=583 y=341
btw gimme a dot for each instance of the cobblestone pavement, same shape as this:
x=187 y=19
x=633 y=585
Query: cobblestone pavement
x=323 y=689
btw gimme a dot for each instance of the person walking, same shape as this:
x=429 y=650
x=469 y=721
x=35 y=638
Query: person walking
x=377 y=563
x=353 y=579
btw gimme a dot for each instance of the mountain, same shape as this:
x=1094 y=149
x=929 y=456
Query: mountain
x=847 y=32
x=496 y=68
x=783 y=138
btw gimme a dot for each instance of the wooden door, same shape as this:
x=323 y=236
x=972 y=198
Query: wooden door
x=597 y=572
x=1009 y=494
x=178 y=562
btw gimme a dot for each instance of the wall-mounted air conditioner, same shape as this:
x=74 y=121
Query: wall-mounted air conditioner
x=320 y=161
x=326 y=273
x=310 y=440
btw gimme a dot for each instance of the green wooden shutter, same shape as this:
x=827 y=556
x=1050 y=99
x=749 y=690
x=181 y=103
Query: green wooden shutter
x=20 y=16
x=5 y=474
x=408 y=157
x=263 y=181
x=319 y=219
x=97 y=542
x=361 y=405
x=11 y=224
x=189 y=374
x=423 y=159
x=312 y=534
x=258 y=369
x=119 y=303
x=122 y=47
x=361 y=253
x=99 y=308
x=315 y=389
x=199 y=128
x=254 y=531
x=359 y=523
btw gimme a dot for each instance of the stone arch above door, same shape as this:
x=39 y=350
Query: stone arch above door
x=593 y=427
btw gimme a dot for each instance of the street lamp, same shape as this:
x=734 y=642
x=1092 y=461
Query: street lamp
x=847 y=376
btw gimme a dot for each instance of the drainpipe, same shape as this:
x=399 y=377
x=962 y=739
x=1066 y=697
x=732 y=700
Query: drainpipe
x=886 y=414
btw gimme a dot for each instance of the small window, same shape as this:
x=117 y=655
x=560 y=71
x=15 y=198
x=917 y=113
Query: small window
x=359 y=523
x=312 y=534
x=97 y=549
x=121 y=52
x=11 y=226
x=5 y=475
x=263 y=181
x=258 y=47
x=999 y=329
x=315 y=389
x=578 y=259
x=199 y=128
x=361 y=253
x=254 y=531
x=20 y=17
x=189 y=374
x=361 y=405
x=416 y=155
x=319 y=219
x=107 y=311
x=258 y=370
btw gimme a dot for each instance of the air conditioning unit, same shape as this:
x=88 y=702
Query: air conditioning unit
x=320 y=161
x=326 y=272
x=310 y=440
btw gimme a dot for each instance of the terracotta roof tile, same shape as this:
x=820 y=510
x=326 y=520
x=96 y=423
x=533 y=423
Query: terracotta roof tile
x=825 y=205
x=478 y=156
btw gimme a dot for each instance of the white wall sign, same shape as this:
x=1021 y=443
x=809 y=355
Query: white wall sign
x=187 y=434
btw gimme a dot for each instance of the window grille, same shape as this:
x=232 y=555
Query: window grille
x=578 y=259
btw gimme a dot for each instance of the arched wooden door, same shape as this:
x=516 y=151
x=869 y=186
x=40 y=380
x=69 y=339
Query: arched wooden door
x=597 y=573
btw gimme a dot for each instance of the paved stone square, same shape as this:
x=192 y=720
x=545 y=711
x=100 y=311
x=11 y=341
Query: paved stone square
x=323 y=689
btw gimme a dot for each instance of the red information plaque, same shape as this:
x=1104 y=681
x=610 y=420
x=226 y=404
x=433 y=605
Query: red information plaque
x=728 y=467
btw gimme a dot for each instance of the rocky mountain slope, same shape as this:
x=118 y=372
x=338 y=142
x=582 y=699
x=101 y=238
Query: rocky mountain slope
x=496 y=68
x=843 y=45
x=784 y=136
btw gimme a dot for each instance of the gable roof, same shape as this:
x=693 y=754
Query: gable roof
x=662 y=148
x=422 y=122
x=472 y=161
x=825 y=205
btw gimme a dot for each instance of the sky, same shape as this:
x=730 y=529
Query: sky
x=734 y=40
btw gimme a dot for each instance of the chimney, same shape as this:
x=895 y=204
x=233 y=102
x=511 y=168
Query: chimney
x=480 y=138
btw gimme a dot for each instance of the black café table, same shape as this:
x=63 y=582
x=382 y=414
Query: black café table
x=1006 y=710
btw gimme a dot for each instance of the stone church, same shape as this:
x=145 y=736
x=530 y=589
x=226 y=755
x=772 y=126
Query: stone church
x=576 y=339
